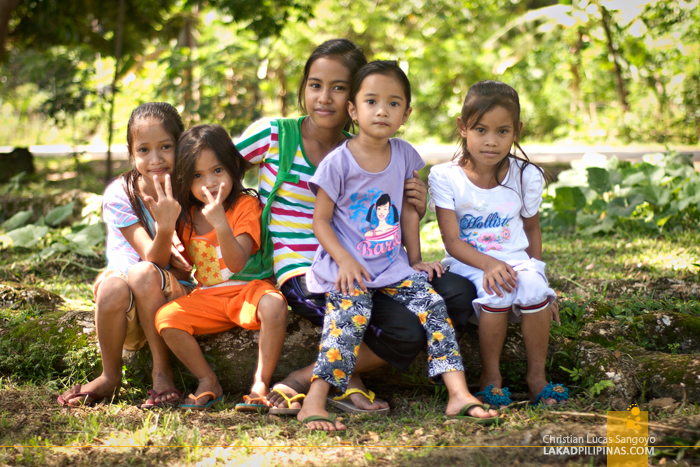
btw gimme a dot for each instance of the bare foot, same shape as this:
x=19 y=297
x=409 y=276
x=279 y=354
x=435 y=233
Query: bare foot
x=205 y=386
x=538 y=386
x=361 y=401
x=102 y=385
x=455 y=404
x=311 y=410
x=290 y=386
x=163 y=382
x=259 y=390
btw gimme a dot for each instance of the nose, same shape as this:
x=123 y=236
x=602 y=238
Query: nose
x=381 y=110
x=325 y=96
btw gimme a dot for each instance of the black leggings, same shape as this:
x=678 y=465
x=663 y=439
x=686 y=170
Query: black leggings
x=394 y=333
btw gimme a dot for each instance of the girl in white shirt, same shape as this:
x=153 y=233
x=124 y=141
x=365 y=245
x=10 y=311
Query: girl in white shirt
x=487 y=202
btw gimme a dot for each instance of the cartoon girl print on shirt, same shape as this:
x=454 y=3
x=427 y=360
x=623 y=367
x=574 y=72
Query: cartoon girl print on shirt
x=383 y=234
x=384 y=217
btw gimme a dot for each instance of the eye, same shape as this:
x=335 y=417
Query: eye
x=314 y=85
x=395 y=104
x=218 y=170
x=339 y=88
x=480 y=130
x=370 y=101
x=142 y=149
x=196 y=176
x=167 y=146
x=504 y=131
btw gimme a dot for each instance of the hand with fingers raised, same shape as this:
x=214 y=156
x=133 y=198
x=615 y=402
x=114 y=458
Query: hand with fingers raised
x=165 y=209
x=214 y=211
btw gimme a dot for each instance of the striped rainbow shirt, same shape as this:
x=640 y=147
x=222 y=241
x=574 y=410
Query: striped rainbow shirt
x=292 y=209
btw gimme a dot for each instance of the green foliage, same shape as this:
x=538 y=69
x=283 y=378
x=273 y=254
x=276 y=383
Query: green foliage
x=599 y=195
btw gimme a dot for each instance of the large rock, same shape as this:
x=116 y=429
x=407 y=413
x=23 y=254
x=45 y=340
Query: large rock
x=15 y=162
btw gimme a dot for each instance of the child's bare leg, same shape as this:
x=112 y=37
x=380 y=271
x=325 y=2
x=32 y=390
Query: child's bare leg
x=492 y=336
x=535 y=329
x=272 y=313
x=187 y=350
x=112 y=302
x=315 y=404
x=460 y=396
x=146 y=283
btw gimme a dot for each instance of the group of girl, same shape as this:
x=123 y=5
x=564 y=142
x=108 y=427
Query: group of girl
x=340 y=220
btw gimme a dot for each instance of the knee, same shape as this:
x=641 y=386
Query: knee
x=272 y=309
x=113 y=296
x=145 y=278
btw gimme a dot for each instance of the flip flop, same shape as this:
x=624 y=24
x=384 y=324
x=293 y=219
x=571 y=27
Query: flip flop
x=559 y=392
x=206 y=406
x=497 y=397
x=464 y=415
x=286 y=410
x=152 y=394
x=349 y=407
x=75 y=392
x=320 y=418
x=250 y=404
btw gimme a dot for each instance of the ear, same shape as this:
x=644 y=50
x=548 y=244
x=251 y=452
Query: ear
x=352 y=111
x=462 y=128
x=519 y=132
x=406 y=114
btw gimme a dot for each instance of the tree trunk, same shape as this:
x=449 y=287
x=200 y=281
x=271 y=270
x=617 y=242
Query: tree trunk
x=117 y=59
x=6 y=9
x=621 y=89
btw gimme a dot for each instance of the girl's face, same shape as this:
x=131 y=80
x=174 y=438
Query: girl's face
x=383 y=211
x=209 y=174
x=327 y=92
x=380 y=106
x=153 y=150
x=490 y=140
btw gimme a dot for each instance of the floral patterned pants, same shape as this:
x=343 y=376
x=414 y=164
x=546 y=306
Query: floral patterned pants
x=346 y=321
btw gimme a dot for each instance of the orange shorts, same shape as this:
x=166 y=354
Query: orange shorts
x=135 y=337
x=216 y=309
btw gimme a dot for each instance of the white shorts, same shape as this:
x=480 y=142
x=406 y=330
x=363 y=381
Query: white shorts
x=531 y=295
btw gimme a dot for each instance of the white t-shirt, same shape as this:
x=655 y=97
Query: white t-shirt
x=490 y=220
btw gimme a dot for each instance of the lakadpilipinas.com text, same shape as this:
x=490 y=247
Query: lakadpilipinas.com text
x=618 y=445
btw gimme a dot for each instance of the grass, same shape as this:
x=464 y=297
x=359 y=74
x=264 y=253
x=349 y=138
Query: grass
x=35 y=431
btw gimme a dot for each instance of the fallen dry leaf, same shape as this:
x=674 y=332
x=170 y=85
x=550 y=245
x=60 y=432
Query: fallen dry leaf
x=664 y=403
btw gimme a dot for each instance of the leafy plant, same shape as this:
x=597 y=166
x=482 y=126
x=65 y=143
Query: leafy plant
x=601 y=196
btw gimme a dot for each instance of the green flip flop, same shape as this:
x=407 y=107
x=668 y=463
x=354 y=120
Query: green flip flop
x=320 y=418
x=464 y=415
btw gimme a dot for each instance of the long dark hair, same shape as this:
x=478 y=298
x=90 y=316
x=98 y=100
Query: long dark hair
x=171 y=121
x=342 y=50
x=481 y=98
x=189 y=147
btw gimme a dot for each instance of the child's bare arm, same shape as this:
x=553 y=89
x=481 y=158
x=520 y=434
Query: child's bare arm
x=350 y=270
x=496 y=273
x=531 y=227
x=410 y=237
x=416 y=194
x=235 y=251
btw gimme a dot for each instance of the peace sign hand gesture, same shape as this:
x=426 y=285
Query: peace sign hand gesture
x=214 y=211
x=165 y=209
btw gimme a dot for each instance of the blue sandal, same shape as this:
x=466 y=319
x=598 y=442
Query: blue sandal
x=497 y=397
x=559 y=392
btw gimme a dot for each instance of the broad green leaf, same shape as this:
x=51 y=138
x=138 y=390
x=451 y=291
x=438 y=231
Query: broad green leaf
x=605 y=225
x=598 y=179
x=28 y=236
x=91 y=235
x=51 y=250
x=569 y=199
x=564 y=220
x=16 y=221
x=59 y=214
x=586 y=220
x=618 y=207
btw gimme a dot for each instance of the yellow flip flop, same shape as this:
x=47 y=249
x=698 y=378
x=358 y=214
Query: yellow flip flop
x=348 y=406
x=286 y=410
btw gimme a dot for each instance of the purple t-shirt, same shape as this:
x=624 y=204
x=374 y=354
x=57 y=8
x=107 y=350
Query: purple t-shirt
x=367 y=215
